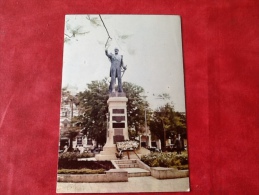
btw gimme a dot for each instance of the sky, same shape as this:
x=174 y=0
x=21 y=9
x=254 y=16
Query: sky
x=151 y=46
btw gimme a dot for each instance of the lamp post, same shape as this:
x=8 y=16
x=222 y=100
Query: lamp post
x=72 y=108
x=72 y=100
x=146 y=126
x=163 y=131
x=146 y=121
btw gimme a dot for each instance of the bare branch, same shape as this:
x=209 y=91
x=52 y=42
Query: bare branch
x=68 y=35
x=88 y=17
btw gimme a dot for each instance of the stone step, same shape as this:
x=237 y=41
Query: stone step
x=133 y=165
x=125 y=161
x=137 y=172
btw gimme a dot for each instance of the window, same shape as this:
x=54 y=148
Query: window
x=79 y=140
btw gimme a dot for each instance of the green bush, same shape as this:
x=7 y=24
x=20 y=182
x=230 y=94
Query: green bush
x=81 y=171
x=183 y=159
x=94 y=165
x=85 y=155
x=74 y=156
x=166 y=159
x=182 y=167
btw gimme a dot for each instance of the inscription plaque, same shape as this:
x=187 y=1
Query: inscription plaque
x=118 y=111
x=118 y=118
x=118 y=125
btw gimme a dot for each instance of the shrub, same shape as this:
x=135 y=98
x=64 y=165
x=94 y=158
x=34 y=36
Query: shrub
x=166 y=159
x=85 y=155
x=74 y=156
x=94 y=165
x=182 y=167
x=68 y=156
x=81 y=171
x=183 y=159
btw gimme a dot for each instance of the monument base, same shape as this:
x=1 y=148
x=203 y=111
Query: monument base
x=117 y=129
x=108 y=153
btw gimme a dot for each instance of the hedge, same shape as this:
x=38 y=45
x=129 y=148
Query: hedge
x=166 y=159
x=81 y=171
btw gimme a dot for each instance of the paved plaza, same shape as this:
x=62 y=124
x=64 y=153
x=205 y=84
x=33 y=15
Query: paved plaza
x=134 y=184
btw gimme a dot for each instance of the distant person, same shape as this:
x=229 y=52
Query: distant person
x=65 y=148
x=76 y=149
x=81 y=149
x=178 y=144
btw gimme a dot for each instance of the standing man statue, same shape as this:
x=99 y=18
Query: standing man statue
x=116 y=69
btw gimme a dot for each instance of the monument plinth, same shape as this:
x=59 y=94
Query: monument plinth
x=117 y=125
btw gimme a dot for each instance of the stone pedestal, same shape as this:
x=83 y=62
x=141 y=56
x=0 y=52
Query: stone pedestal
x=118 y=126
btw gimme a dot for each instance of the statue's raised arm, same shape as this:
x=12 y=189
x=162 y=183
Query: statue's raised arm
x=106 y=52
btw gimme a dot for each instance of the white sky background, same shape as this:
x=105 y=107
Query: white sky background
x=152 y=53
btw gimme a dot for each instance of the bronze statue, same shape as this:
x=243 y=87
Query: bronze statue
x=117 y=67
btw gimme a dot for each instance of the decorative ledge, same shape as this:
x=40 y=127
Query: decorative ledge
x=168 y=173
x=113 y=175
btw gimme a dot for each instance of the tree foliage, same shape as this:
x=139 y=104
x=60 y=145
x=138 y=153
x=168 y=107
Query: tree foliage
x=71 y=132
x=180 y=124
x=163 y=123
x=73 y=129
x=136 y=106
x=166 y=122
x=93 y=104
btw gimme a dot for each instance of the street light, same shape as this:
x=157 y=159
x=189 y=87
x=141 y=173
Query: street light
x=164 y=131
x=147 y=138
x=144 y=96
x=72 y=100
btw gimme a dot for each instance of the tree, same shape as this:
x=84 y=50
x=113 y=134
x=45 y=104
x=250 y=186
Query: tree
x=165 y=122
x=180 y=124
x=71 y=132
x=93 y=102
x=136 y=106
x=73 y=128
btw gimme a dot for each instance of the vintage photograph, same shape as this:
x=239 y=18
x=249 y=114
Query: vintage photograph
x=122 y=113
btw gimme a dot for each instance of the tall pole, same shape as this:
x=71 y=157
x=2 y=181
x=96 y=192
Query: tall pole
x=72 y=109
x=164 y=132
x=146 y=126
x=71 y=141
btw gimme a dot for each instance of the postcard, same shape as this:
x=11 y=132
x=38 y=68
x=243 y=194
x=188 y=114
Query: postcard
x=122 y=113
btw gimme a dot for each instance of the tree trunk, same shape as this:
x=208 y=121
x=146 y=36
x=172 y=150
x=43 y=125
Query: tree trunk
x=70 y=149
